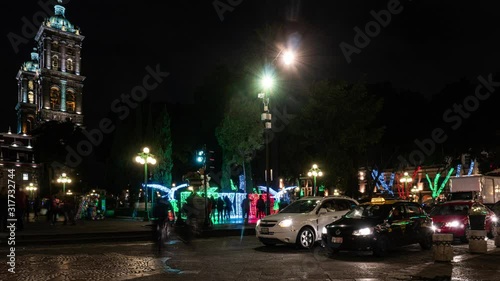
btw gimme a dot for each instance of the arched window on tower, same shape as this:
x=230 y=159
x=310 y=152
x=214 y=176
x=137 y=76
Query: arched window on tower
x=55 y=62
x=31 y=97
x=69 y=65
x=70 y=101
x=55 y=98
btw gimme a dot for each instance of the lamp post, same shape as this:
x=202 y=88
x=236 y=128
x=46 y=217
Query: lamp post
x=144 y=158
x=314 y=172
x=267 y=83
x=31 y=188
x=64 y=179
x=406 y=179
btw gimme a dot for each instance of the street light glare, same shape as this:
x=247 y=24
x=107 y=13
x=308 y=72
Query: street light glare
x=145 y=150
x=267 y=82
x=288 y=57
x=315 y=166
x=138 y=159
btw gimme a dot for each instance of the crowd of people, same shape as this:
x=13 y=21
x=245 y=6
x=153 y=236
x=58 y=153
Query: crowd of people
x=71 y=208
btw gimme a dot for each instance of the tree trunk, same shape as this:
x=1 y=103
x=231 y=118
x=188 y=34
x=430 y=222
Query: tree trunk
x=226 y=172
x=248 y=179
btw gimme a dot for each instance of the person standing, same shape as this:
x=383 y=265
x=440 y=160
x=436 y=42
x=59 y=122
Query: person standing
x=228 y=207
x=28 y=207
x=220 y=209
x=245 y=208
x=261 y=207
x=36 y=208
x=20 y=208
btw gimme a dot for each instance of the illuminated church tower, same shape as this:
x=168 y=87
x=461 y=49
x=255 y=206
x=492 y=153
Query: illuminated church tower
x=50 y=85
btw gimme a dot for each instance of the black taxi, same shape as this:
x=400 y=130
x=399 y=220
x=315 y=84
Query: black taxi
x=378 y=226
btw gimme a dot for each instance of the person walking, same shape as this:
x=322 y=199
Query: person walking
x=163 y=211
x=69 y=210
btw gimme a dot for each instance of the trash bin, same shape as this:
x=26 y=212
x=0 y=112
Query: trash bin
x=477 y=222
x=477 y=217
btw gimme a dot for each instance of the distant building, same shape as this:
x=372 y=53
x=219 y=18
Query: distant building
x=50 y=88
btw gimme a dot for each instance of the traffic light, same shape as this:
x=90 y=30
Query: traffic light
x=211 y=160
x=200 y=157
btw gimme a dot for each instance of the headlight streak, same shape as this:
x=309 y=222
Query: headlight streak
x=363 y=231
x=285 y=223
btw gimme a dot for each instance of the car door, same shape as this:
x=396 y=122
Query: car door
x=330 y=210
x=398 y=221
x=416 y=218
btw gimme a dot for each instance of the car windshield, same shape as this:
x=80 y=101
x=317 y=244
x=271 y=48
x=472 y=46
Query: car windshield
x=450 y=210
x=369 y=211
x=301 y=206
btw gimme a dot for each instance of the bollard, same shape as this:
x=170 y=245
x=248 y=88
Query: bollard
x=441 y=247
x=497 y=236
x=477 y=241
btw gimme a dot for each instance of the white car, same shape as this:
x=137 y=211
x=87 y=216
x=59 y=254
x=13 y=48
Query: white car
x=301 y=222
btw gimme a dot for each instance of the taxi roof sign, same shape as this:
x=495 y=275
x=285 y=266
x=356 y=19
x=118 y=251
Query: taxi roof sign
x=378 y=200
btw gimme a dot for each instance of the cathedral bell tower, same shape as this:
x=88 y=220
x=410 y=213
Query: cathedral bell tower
x=50 y=85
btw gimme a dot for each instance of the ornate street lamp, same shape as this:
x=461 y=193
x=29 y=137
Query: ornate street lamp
x=314 y=172
x=64 y=179
x=406 y=179
x=267 y=84
x=145 y=158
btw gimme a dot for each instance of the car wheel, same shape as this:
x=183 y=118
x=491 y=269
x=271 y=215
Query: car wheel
x=426 y=243
x=381 y=247
x=306 y=238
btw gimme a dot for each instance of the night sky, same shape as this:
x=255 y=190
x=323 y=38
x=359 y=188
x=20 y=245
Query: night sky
x=423 y=47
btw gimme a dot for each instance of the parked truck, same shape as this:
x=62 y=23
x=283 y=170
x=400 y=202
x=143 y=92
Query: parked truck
x=484 y=188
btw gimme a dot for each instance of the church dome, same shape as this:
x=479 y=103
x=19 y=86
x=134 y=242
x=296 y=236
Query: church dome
x=59 y=21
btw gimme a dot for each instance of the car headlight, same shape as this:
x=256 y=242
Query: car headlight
x=285 y=223
x=323 y=230
x=433 y=227
x=454 y=224
x=363 y=231
x=258 y=223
